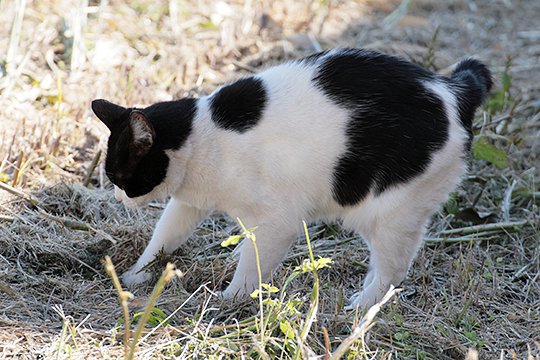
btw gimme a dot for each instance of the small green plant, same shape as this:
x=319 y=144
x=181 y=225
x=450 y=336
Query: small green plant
x=151 y=315
x=156 y=317
x=283 y=331
x=473 y=338
x=428 y=61
x=484 y=150
x=283 y=313
x=502 y=99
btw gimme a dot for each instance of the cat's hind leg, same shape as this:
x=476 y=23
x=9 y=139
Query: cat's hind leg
x=393 y=226
x=393 y=248
x=176 y=224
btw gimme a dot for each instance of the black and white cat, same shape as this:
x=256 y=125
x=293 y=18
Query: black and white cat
x=350 y=135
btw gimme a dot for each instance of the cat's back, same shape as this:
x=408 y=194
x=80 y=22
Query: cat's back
x=351 y=121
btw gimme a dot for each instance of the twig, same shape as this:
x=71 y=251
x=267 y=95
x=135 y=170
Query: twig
x=15 y=36
x=448 y=240
x=75 y=225
x=484 y=227
x=316 y=45
x=7 y=218
x=166 y=276
x=123 y=296
x=69 y=223
x=28 y=198
x=243 y=66
x=364 y=325
x=507 y=201
x=397 y=14
x=326 y=343
x=91 y=169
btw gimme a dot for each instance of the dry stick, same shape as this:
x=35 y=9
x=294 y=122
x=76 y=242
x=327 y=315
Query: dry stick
x=28 y=198
x=91 y=169
x=69 y=223
x=485 y=227
x=15 y=35
x=166 y=276
x=16 y=174
x=123 y=296
x=7 y=218
x=364 y=326
x=449 y=240
x=326 y=344
x=479 y=236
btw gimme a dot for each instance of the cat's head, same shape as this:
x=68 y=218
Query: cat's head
x=137 y=160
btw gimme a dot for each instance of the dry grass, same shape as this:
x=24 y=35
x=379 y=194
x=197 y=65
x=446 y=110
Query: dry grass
x=478 y=287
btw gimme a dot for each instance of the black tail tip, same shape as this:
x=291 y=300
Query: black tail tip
x=477 y=70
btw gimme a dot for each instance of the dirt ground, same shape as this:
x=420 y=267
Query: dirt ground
x=475 y=284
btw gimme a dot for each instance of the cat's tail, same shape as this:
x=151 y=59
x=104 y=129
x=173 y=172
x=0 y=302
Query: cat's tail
x=472 y=82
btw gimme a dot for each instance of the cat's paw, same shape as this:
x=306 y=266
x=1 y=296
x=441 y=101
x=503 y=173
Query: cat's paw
x=133 y=278
x=366 y=298
x=233 y=292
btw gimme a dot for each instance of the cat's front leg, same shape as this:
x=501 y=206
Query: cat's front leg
x=176 y=224
x=273 y=239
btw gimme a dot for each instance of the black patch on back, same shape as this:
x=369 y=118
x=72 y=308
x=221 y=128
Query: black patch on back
x=395 y=125
x=172 y=122
x=239 y=106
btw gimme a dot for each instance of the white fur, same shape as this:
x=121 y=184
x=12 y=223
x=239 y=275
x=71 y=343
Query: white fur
x=280 y=173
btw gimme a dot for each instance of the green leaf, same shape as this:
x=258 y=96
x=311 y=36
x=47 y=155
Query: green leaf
x=484 y=150
x=399 y=336
x=286 y=329
x=157 y=316
x=322 y=263
x=232 y=240
x=270 y=288
x=308 y=266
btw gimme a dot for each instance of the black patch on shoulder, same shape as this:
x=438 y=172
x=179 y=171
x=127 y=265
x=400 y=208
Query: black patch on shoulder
x=172 y=122
x=395 y=125
x=239 y=106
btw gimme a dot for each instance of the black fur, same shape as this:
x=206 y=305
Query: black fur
x=396 y=124
x=472 y=81
x=109 y=113
x=239 y=106
x=138 y=175
x=313 y=58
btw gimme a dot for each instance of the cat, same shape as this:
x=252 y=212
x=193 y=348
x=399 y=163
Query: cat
x=348 y=135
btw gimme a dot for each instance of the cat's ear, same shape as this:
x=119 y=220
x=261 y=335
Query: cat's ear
x=142 y=131
x=107 y=112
